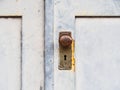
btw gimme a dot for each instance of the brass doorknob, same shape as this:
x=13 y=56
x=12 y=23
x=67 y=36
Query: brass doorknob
x=65 y=40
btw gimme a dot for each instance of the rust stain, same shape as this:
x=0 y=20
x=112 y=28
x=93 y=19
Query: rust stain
x=73 y=58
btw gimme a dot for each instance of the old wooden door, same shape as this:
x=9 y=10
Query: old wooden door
x=21 y=44
x=95 y=27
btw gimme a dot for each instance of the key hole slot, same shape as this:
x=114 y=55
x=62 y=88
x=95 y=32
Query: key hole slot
x=65 y=57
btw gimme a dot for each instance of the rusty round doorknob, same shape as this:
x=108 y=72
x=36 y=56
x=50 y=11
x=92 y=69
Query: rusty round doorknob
x=65 y=40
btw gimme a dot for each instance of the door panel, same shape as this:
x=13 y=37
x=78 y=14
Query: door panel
x=10 y=53
x=97 y=53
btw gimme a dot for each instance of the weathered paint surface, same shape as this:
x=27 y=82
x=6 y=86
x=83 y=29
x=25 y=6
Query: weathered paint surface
x=32 y=12
x=64 y=20
x=49 y=45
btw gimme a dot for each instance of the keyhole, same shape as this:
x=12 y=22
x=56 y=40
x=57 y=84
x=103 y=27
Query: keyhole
x=65 y=56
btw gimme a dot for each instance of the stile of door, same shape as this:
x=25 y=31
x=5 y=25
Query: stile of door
x=10 y=54
x=95 y=27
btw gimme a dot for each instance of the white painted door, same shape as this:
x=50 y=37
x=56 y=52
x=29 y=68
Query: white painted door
x=95 y=27
x=21 y=44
